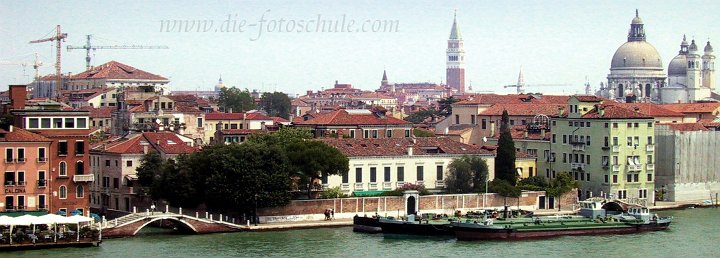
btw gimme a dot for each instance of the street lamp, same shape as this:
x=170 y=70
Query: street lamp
x=256 y=215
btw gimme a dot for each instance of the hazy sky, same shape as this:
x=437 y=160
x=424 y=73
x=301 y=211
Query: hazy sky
x=560 y=42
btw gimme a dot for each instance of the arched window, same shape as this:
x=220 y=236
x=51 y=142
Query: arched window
x=63 y=192
x=648 y=90
x=63 y=168
x=79 y=168
x=621 y=91
x=80 y=192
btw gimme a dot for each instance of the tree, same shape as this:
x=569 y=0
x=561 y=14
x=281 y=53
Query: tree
x=466 y=174
x=235 y=99
x=505 y=189
x=445 y=105
x=311 y=160
x=149 y=169
x=282 y=137
x=276 y=104
x=420 y=116
x=533 y=183
x=417 y=132
x=505 y=159
x=331 y=193
x=561 y=185
x=176 y=184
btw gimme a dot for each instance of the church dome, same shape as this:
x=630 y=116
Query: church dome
x=636 y=54
x=677 y=66
x=636 y=20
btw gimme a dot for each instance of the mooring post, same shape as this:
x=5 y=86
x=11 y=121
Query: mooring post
x=134 y=209
x=221 y=217
x=180 y=210
x=206 y=214
x=196 y=215
x=147 y=212
x=167 y=208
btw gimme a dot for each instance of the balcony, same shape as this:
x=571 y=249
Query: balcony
x=42 y=183
x=41 y=159
x=400 y=184
x=21 y=183
x=650 y=148
x=616 y=168
x=9 y=183
x=580 y=166
x=634 y=167
x=650 y=166
x=387 y=185
x=578 y=147
x=372 y=186
x=615 y=148
x=606 y=147
x=359 y=186
x=440 y=184
x=8 y=161
x=420 y=182
x=21 y=160
x=84 y=178
x=345 y=186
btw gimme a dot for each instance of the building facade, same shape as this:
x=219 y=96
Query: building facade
x=26 y=171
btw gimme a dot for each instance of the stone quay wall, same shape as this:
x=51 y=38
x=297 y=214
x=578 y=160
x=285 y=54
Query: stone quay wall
x=303 y=210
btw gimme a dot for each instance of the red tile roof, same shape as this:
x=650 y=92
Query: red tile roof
x=117 y=70
x=399 y=146
x=99 y=112
x=524 y=109
x=588 y=98
x=615 y=111
x=687 y=127
x=21 y=135
x=651 y=109
x=236 y=116
x=486 y=99
x=518 y=132
x=165 y=142
x=353 y=117
x=277 y=120
x=692 y=107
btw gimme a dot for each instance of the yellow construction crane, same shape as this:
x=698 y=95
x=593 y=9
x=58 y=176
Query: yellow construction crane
x=89 y=47
x=59 y=37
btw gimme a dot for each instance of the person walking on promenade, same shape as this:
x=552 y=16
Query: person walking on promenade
x=152 y=209
x=332 y=214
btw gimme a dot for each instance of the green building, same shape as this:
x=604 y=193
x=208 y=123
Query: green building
x=607 y=147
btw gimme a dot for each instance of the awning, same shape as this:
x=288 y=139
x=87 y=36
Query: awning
x=20 y=213
x=367 y=193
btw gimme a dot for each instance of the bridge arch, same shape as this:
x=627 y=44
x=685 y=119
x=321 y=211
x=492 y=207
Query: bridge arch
x=178 y=222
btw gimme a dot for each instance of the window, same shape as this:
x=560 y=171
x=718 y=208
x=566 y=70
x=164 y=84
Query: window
x=650 y=140
x=373 y=174
x=200 y=122
x=650 y=124
x=33 y=123
x=605 y=161
x=440 y=173
x=607 y=179
x=374 y=134
x=629 y=125
x=358 y=175
x=642 y=193
x=42 y=182
x=128 y=163
x=564 y=139
x=345 y=179
x=407 y=133
x=45 y=123
x=57 y=122
x=615 y=179
x=636 y=140
x=483 y=123
x=80 y=192
x=629 y=141
x=420 y=171
x=117 y=163
x=41 y=202
x=9 y=155
x=629 y=178
x=116 y=183
x=587 y=140
x=63 y=168
x=63 y=192
x=615 y=125
x=21 y=155
x=606 y=125
x=386 y=175
x=457 y=119
x=615 y=160
x=79 y=147
x=21 y=178
x=79 y=168
x=388 y=133
x=69 y=122
x=564 y=157
x=10 y=178
x=649 y=159
x=233 y=126
x=606 y=142
x=587 y=124
x=401 y=174
x=472 y=119
x=636 y=125
x=107 y=162
x=352 y=134
x=649 y=177
x=615 y=141
x=63 y=148
x=82 y=122
x=553 y=138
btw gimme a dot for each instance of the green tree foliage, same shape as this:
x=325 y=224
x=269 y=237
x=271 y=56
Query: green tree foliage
x=420 y=116
x=276 y=104
x=422 y=133
x=504 y=189
x=310 y=160
x=561 y=184
x=445 y=105
x=405 y=187
x=282 y=137
x=147 y=172
x=533 y=183
x=505 y=159
x=176 y=184
x=236 y=99
x=466 y=174
x=331 y=193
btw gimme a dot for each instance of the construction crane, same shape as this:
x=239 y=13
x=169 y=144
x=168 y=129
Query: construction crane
x=59 y=37
x=88 y=46
x=36 y=65
x=520 y=85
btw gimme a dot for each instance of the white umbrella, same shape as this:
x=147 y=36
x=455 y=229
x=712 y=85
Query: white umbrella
x=78 y=219
x=5 y=220
x=54 y=219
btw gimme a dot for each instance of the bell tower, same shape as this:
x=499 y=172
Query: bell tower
x=455 y=59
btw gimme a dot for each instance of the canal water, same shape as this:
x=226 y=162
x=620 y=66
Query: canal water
x=694 y=233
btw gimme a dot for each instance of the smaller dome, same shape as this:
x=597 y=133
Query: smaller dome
x=708 y=47
x=693 y=47
x=637 y=19
x=677 y=66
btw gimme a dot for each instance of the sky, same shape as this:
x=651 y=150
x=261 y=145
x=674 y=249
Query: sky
x=559 y=42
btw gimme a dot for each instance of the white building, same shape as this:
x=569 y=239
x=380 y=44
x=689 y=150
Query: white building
x=688 y=80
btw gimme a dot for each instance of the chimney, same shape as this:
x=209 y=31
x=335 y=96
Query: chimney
x=637 y=110
x=10 y=128
x=309 y=92
x=561 y=111
x=145 y=149
x=447 y=130
x=410 y=150
x=229 y=110
x=525 y=134
x=18 y=95
x=601 y=110
x=542 y=133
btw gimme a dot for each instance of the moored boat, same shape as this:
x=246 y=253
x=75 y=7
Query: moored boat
x=366 y=224
x=637 y=219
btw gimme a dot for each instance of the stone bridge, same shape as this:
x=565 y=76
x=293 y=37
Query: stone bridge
x=131 y=224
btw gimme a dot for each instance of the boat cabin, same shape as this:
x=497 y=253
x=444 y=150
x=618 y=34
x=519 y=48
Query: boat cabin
x=640 y=213
x=591 y=209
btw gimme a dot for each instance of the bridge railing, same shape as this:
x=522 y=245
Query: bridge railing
x=169 y=211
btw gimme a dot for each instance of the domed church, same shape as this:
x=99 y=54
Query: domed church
x=637 y=74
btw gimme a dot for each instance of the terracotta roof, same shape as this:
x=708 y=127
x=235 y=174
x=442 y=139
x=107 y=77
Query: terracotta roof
x=687 y=127
x=524 y=109
x=353 y=117
x=240 y=131
x=513 y=99
x=692 y=107
x=116 y=70
x=99 y=112
x=399 y=146
x=277 y=120
x=299 y=102
x=165 y=142
x=651 y=109
x=21 y=135
x=236 y=116
x=588 y=98
x=615 y=111
x=518 y=132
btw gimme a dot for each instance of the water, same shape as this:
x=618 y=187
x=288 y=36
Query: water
x=694 y=233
